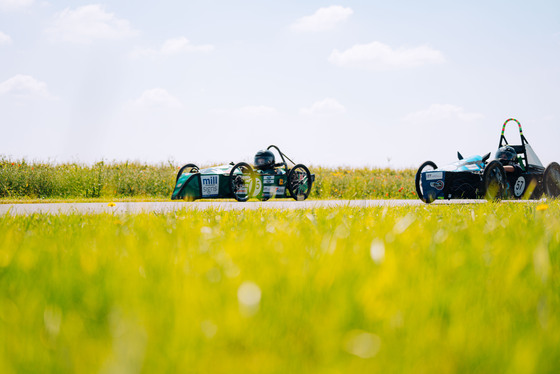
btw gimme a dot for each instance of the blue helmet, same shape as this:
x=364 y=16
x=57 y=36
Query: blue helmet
x=506 y=153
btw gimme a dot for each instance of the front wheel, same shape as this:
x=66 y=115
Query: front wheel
x=494 y=181
x=551 y=180
x=299 y=182
x=188 y=168
x=242 y=181
x=426 y=166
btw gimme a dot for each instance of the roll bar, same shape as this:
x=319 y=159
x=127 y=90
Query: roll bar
x=503 y=140
x=282 y=155
x=520 y=149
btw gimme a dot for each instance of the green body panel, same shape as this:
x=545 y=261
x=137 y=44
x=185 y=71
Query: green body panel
x=214 y=183
x=208 y=183
x=270 y=184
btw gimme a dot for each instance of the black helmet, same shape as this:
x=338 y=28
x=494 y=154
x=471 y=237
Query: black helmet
x=264 y=160
x=506 y=153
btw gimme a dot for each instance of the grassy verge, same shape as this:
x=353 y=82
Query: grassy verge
x=105 y=199
x=24 y=181
x=433 y=289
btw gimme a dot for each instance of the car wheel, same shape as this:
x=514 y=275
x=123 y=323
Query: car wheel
x=494 y=181
x=242 y=181
x=299 y=182
x=188 y=168
x=551 y=180
x=428 y=165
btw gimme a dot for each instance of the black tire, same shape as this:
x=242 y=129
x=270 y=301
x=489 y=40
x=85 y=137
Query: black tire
x=494 y=181
x=242 y=181
x=551 y=180
x=419 y=192
x=299 y=182
x=193 y=169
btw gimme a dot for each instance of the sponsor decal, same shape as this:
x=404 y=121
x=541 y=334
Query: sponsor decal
x=519 y=187
x=438 y=185
x=274 y=191
x=209 y=185
x=280 y=181
x=258 y=186
x=268 y=179
x=434 y=175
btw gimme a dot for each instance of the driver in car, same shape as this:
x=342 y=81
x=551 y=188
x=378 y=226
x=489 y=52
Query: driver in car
x=264 y=160
x=508 y=158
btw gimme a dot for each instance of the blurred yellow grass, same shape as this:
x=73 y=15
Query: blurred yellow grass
x=433 y=289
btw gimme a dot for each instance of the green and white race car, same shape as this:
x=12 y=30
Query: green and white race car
x=241 y=181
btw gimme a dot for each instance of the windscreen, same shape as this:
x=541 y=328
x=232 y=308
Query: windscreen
x=532 y=158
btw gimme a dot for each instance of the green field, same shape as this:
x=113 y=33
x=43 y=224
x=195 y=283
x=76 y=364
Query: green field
x=429 y=289
x=21 y=180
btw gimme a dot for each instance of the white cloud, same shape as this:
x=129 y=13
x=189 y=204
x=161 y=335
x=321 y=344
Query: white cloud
x=88 y=23
x=14 y=4
x=5 y=39
x=182 y=44
x=323 y=19
x=379 y=56
x=173 y=46
x=442 y=112
x=157 y=97
x=324 y=107
x=257 y=111
x=25 y=86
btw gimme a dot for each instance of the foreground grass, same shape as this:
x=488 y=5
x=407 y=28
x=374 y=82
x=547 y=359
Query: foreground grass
x=41 y=181
x=431 y=289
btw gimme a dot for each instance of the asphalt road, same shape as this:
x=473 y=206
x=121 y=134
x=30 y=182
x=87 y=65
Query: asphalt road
x=164 y=207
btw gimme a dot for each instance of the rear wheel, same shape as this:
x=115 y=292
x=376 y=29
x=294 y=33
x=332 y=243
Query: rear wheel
x=494 y=181
x=188 y=168
x=299 y=182
x=426 y=166
x=551 y=180
x=242 y=181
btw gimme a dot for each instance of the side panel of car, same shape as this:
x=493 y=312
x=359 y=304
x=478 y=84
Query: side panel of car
x=462 y=185
x=433 y=184
x=270 y=185
x=188 y=185
x=525 y=186
x=214 y=186
x=207 y=186
x=202 y=186
x=439 y=184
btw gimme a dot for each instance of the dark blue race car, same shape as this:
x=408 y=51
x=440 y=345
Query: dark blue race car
x=516 y=173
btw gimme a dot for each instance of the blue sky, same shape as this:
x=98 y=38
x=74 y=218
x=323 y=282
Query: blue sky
x=353 y=83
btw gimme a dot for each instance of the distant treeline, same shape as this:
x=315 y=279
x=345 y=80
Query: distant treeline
x=36 y=180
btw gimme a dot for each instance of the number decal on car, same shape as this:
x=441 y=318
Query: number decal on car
x=519 y=187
